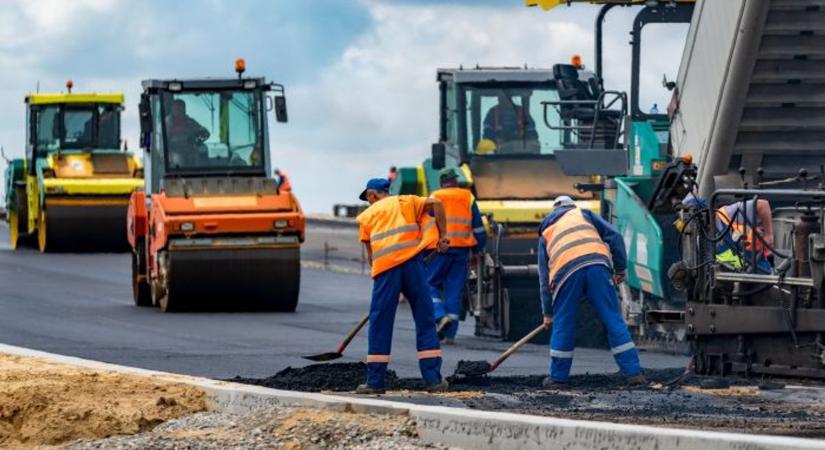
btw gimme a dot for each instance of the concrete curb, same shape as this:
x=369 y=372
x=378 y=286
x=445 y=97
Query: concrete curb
x=461 y=427
x=330 y=221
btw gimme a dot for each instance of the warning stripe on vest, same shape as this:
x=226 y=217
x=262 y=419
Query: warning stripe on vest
x=395 y=247
x=394 y=231
x=568 y=231
x=573 y=244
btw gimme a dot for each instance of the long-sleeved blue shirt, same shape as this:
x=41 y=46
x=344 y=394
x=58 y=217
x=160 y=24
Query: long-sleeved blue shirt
x=608 y=233
x=478 y=228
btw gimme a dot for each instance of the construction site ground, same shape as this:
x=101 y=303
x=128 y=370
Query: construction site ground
x=46 y=404
x=80 y=305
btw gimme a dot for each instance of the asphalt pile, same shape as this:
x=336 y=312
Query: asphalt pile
x=739 y=405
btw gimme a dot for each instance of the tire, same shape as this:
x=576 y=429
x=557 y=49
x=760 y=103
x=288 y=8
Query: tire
x=141 y=291
x=289 y=288
x=162 y=294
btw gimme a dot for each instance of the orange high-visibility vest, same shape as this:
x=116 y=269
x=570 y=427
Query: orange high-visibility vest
x=395 y=231
x=571 y=237
x=458 y=207
x=738 y=229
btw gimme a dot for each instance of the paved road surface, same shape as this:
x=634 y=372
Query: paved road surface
x=80 y=305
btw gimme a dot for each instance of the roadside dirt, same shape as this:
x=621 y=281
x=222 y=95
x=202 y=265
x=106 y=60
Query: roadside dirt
x=42 y=403
x=739 y=405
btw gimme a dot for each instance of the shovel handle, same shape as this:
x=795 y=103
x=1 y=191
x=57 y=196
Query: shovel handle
x=516 y=346
x=352 y=333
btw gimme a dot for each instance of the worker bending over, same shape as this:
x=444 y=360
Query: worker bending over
x=391 y=230
x=447 y=272
x=575 y=252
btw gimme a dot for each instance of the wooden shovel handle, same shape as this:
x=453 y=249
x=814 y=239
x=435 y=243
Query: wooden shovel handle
x=517 y=345
x=353 y=333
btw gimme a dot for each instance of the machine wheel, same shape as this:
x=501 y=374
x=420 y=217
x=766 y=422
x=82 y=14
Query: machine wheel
x=141 y=291
x=43 y=241
x=162 y=295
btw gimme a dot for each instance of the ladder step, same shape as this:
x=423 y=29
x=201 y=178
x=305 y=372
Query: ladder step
x=782 y=70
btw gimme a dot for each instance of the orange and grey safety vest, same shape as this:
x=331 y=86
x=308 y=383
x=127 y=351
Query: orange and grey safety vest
x=458 y=207
x=284 y=185
x=395 y=232
x=571 y=237
x=737 y=229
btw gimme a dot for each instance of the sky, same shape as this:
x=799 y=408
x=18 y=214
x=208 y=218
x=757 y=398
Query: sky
x=359 y=74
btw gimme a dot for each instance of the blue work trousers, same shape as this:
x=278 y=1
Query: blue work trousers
x=593 y=282
x=410 y=279
x=447 y=275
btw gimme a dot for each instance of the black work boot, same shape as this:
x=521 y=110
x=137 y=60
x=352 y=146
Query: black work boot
x=548 y=383
x=365 y=389
x=443 y=386
x=637 y=380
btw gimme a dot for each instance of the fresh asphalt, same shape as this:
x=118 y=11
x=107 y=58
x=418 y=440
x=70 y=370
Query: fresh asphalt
x=81 y=305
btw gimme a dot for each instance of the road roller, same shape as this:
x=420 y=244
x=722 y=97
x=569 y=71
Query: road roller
x=71 y=189
x=212 y=229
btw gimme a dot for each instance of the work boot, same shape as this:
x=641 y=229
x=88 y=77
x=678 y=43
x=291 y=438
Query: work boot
x=448 y=341
x=636 y=380
x=441 y=326
x=365 y=389
x=443 y=386
x=549 y=384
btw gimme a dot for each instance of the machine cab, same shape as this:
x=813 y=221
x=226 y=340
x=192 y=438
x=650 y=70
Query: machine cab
x=207 y=128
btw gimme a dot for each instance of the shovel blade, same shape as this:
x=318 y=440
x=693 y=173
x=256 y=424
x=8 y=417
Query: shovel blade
x=473 y=368
x=323 y=357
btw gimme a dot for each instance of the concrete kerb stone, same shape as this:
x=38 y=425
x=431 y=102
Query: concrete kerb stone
x=460 y=427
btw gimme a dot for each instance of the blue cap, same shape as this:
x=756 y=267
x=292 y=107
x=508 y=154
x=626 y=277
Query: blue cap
x=375 y=184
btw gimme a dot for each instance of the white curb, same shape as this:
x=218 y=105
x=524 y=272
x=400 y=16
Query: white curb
x=460 y=427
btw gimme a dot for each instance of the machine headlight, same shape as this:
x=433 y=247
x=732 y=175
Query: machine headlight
x=282 y=223
x=250 y=84
x=175 y=86
x=186 y=226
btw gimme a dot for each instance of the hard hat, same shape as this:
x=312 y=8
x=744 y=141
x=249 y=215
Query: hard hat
x=485 y=147
x=563 y=200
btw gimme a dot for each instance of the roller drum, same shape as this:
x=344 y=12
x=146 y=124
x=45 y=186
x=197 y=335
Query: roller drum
x=86 y=227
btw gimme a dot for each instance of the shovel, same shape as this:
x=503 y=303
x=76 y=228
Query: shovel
x=342 y=346
x=479 y=368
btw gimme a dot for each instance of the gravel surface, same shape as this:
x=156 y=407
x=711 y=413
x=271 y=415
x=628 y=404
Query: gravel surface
x=272 y=428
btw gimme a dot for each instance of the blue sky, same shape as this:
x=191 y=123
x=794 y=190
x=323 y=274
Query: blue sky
x=359 y=73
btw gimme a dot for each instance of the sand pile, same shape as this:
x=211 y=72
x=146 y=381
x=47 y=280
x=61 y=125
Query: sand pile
x=43 y=403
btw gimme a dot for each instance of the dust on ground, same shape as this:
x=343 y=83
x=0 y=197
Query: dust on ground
x=288 y=428
x=738 y=405
x=44 y=403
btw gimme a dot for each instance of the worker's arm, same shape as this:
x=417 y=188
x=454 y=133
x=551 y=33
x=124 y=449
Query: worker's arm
x=544 y=289
x=763 y=211
x=478 y=229
x=435 y=206
x=364 y=237
x=611 y=236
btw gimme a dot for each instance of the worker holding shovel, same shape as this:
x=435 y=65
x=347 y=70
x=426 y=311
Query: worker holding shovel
x=577 y=253
x=392 y=232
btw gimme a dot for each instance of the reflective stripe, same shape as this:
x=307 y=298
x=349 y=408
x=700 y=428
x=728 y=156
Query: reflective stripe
x=623 y=348
x=479 y=230
x=577 y=228
x=392 y=248
x=454 y=317
x=570 y=245
x=561 y=354
x=437 y=300
x=429 y=225
x=394 y=231
x=385 y=359
x=457 y=220
x=429 y=354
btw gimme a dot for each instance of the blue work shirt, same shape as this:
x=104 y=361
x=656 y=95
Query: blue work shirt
x=608 y=233
x=478 y=229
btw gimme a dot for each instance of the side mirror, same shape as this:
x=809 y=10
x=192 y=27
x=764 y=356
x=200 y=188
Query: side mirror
x=145 y=113
x=280 y=109
x=439 y=156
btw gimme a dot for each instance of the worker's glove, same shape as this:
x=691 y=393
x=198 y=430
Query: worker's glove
x=619 y=277
x=443 y=245
x=548 y=320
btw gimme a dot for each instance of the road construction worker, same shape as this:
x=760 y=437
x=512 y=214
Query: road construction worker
x=578 y=251
x=510 y=126
x=447 y=272
x=391 y=230
x=736 y=247
x=283 y=181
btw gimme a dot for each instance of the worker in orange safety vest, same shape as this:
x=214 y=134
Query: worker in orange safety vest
x=447 y=272
x=392 y=232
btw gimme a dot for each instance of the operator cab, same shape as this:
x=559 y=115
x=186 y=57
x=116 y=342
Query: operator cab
x=207 y=128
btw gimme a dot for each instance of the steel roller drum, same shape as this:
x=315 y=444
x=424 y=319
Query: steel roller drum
x=234 y=278
x=86 y=227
